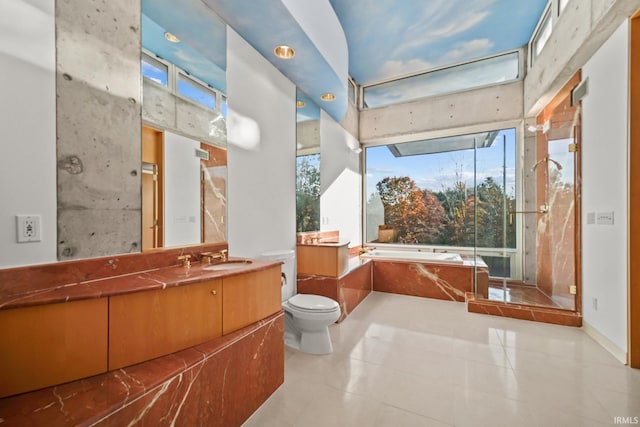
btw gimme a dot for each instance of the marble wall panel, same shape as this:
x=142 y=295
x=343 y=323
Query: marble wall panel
x=98 y=108
x=440 y=281
x=349 y=290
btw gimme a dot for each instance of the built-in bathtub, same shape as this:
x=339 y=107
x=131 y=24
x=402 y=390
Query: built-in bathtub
x=441 y=275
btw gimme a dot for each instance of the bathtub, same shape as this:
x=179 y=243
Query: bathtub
x=440 y=275
x=391 y=255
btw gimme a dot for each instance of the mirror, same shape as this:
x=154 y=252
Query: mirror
x=77 y=100
x=184 y=131
x=307 y=164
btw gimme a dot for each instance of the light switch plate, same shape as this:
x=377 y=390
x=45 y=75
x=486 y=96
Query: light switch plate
x=604 y=218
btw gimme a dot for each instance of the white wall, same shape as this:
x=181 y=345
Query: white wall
x=181 y=191
x=604 y=189
x=27 y=126
x=261 y=130
x=340 y=181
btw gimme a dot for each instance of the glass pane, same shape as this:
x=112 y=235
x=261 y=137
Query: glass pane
x=196 y=92
x=493 y=70
x=542 y=36
x=352 y=92
x=308 y=193
x=425 y=192
x=154 y=70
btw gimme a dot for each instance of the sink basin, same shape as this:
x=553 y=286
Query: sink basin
x=228 y=265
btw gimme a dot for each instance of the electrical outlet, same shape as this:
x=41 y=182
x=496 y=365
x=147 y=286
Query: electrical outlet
x=28 y=228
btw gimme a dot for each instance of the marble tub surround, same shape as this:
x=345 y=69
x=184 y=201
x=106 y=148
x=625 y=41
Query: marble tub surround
x=348 y=290
x=57 y=282
x=218 y=383
x=523 y=312
x=429 y=280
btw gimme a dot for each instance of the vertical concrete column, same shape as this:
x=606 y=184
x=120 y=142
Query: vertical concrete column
x=98 y=106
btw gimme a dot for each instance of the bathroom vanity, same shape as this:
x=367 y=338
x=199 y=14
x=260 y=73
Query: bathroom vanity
x=113 y=345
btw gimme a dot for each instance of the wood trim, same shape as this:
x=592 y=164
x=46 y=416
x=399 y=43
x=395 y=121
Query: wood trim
x=634 y=195
x=153 y=152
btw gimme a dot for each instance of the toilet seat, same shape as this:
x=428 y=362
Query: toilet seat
x=313 y=303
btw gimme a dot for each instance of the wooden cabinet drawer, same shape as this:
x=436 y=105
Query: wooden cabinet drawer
x=150 y=324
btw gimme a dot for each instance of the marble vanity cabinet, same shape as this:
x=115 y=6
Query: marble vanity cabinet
x=83 y=329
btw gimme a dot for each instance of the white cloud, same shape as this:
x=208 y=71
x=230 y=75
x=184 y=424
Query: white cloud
x=469 y=49
x=399 y=68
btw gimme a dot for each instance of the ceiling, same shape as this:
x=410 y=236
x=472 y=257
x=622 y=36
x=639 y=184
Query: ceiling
x=389 y=39
x=386 y=38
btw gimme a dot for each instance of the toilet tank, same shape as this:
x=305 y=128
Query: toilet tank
x=288 y=259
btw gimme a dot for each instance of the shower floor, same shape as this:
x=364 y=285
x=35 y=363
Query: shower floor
x=521 y=294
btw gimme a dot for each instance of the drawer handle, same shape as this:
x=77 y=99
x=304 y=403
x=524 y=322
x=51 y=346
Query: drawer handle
x=214 y=292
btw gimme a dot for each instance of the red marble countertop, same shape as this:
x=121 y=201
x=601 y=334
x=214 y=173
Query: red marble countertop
x=146 y=280
x=325 y=241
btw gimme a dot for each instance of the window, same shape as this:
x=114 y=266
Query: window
x=541 y=37
x=352 y=92
x=308 y=193
x=155 y=70
x=196 y=91
x=223 y=106
x=452 y=192
x=493 y=70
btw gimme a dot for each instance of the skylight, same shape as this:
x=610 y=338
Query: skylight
x=484 y=72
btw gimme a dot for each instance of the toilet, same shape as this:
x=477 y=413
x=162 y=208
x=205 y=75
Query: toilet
x=306 y=317
x=306 y=323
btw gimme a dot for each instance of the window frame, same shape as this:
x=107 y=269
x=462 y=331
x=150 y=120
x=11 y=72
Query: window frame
x=520 y=52
x=153 y=59
x=196 y=84
x=515 y=254
x=546 y=17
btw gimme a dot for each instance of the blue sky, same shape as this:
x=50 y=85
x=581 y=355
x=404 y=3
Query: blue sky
x=390 y=38
x=436 y=172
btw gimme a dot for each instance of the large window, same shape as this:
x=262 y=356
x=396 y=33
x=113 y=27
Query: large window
x=456 y=191
x=488 y=71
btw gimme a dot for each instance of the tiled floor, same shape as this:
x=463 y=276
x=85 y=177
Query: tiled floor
x=408 y=361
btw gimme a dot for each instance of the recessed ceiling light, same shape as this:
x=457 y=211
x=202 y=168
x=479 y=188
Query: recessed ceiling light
x=284 y=52
x=327 y=97
x=300 y=104
x=172 y=38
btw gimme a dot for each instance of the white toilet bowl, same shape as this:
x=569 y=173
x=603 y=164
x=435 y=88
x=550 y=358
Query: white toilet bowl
x=306 y=323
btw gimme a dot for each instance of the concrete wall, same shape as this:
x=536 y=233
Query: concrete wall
x=604 y=189
x=579 y=32
x=412 y=120
x=261 y=155
x=98 y=127
x=27 y=126
x=164 y=110
x=340 y=181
